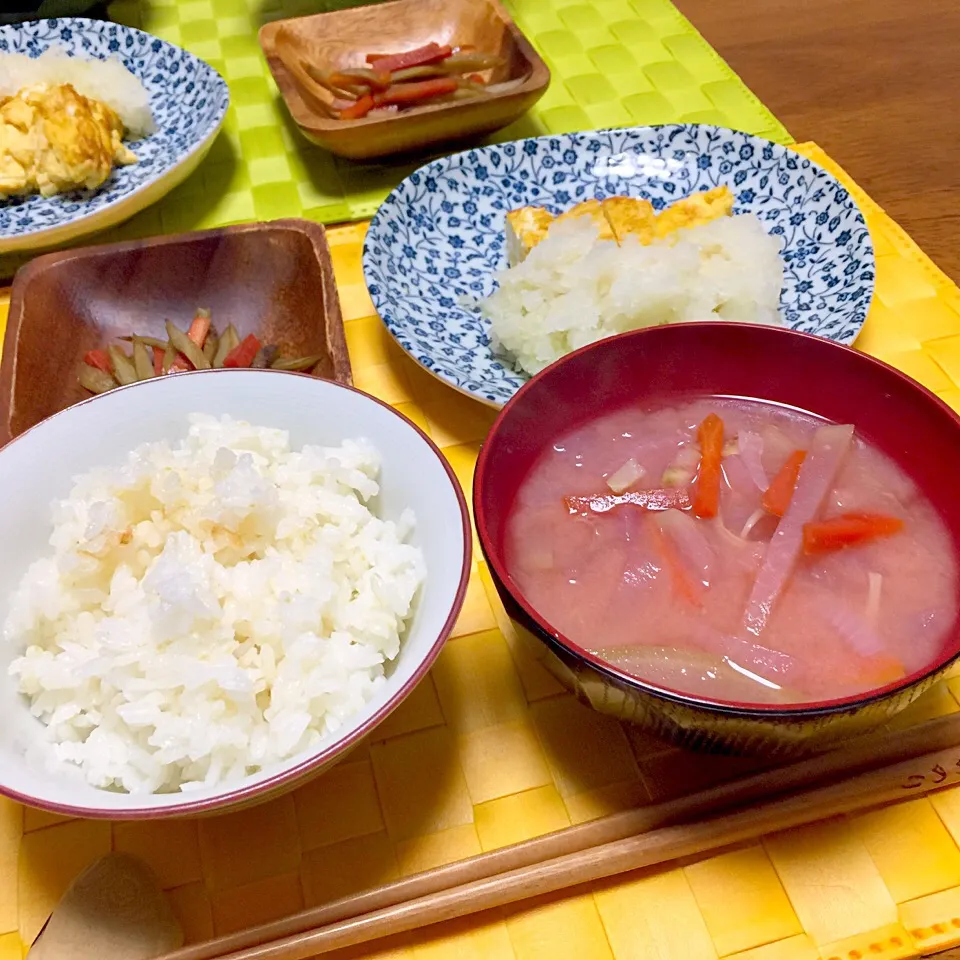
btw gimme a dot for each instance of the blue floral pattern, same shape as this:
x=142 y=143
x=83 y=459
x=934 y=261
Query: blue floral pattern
x=438 y=238
x=188 y=100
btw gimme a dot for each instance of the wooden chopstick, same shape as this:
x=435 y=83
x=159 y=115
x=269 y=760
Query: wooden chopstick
x=857 y=756
x=910 y=778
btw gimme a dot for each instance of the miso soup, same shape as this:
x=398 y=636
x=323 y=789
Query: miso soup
x=734 y=550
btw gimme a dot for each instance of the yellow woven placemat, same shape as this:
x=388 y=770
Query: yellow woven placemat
x=489 y=750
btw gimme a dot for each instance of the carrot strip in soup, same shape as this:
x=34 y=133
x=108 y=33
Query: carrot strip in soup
x=777 y=497
x=670 y=561
x=881 y=669
x=706 y=501
x=827 y=450
x=672 y=498
x=98 y=359
x=847 y=530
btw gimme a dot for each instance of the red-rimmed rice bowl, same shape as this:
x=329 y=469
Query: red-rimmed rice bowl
x=37 y=468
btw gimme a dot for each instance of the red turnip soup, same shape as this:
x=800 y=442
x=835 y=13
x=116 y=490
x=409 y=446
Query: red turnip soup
x=735 y=550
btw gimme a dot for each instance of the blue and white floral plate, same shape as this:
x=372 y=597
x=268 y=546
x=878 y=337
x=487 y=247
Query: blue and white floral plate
x=438 y=238
x=188 y=100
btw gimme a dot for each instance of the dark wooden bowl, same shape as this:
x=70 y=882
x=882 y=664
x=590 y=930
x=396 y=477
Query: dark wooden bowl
x=343 y=38
x=274 y=280
x=896 y=414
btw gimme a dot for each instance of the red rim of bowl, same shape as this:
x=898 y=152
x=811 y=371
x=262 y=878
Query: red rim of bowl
x=553 y=637
x=290 y=776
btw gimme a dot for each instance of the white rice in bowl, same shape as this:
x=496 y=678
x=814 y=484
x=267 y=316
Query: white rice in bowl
x=212 y=607
x=574 y=288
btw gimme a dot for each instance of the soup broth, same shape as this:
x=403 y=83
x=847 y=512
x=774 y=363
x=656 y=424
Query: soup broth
x=734 y=550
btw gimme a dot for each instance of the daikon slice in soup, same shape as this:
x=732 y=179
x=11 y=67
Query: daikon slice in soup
x=735 y=550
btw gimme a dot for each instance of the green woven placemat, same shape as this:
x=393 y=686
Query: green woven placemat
x=614 y=63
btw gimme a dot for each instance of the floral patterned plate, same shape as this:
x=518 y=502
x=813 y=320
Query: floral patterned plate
x=437 y=240
x=188 y=100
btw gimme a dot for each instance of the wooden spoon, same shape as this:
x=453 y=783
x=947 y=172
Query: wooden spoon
x=114 y=910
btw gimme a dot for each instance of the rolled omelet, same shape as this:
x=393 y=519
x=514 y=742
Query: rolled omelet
x=617 y=218
x=53 y=140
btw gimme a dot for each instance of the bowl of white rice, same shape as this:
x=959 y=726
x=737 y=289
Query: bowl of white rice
x=221 y=581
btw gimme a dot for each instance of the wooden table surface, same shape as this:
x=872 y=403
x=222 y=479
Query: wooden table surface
x=875 y=82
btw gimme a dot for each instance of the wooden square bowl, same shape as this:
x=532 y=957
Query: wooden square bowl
x=274 y=280
x=343 y=38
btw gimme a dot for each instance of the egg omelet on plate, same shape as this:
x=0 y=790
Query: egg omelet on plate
x=53 y=139
x=617 y=218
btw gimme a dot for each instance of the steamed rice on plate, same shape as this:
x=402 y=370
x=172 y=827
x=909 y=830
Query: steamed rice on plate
x=108 y=81
x=64 y=120
x=607 y=267
x=212 y=607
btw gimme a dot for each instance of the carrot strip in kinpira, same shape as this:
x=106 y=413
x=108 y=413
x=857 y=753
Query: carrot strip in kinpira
x=429 y=53
x=197 y=333
x=359 y=109
x=199 y=327
x=243 y=353
x=706 y=501
x=777 y=496
x=847 y=530
x=98 y=359
x=413 y=92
